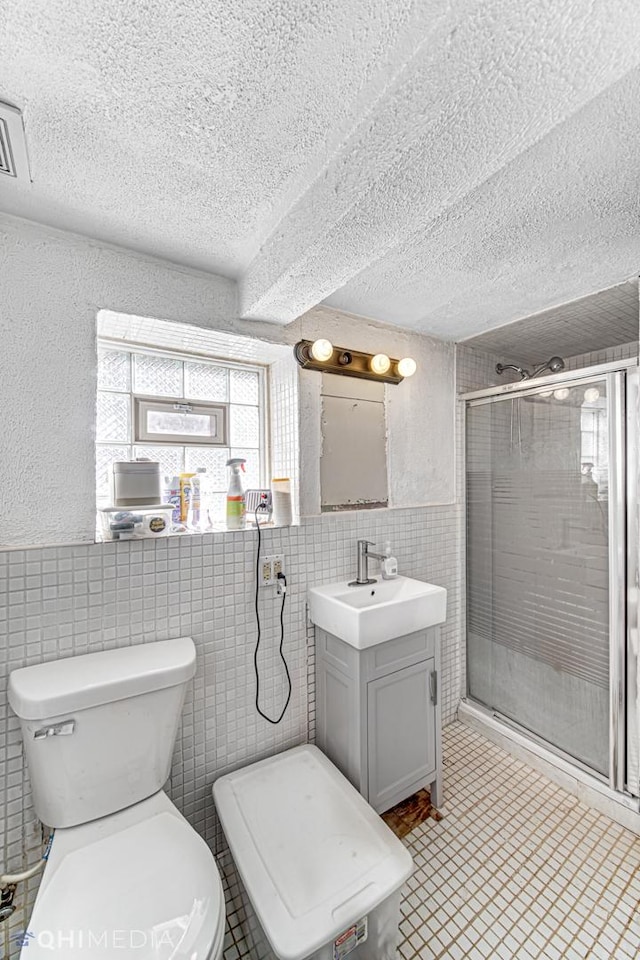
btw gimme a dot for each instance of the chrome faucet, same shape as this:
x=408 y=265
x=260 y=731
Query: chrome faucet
x=364 y=553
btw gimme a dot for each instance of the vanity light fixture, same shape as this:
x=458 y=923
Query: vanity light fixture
x=324 y=356
x=380 y=363
x=591 y=394
x=562 y=393
x=407 y=367
x=321 y=350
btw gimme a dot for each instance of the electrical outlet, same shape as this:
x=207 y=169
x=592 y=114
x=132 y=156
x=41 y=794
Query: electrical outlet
x=266 y=572
x=270 y=567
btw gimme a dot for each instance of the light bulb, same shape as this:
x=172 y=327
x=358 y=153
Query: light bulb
x=591 y=394
x=380 y=363
x=546 y=393
x=407 y=367
x=562 y=393
x=322 y=350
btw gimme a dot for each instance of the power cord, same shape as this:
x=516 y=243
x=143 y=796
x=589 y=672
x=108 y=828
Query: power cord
x=282 y=587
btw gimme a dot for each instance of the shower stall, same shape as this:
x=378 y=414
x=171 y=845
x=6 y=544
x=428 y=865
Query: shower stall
x=552 y=565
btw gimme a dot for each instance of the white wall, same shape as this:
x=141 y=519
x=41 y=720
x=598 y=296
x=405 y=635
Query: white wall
x=66 y=600
x=52 y=285
x=420 y=410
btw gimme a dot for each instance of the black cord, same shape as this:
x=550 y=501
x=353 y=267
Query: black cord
x=281 y=576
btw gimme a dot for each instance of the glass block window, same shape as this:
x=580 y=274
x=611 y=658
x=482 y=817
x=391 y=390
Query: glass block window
x=131 y=381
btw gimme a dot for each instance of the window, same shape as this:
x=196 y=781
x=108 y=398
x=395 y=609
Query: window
x=184 y=411
x=178 y=421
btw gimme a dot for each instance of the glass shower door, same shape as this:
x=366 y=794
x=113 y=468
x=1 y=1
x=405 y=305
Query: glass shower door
x=540 y=492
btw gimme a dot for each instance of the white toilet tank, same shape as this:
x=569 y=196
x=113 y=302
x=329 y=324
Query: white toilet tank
x=99 y=729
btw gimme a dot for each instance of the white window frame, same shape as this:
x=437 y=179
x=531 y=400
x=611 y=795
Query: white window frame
x=217 y=411
x=263 y=448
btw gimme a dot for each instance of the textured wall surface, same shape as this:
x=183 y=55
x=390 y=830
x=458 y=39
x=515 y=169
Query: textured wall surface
x=52 y=286
x=420 y=412
x=441 y=166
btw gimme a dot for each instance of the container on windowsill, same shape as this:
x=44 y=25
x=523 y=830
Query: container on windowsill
x=281 y=493
x=118 y=523
x=136 y=483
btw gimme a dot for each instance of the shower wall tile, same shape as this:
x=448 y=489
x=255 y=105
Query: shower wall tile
x=626 y=351
x=476 y=369
x=63 y=601
x=595 y=323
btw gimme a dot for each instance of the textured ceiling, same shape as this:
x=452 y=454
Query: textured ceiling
x=448 y=167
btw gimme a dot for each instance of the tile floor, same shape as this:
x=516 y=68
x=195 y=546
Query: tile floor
x=517 y=868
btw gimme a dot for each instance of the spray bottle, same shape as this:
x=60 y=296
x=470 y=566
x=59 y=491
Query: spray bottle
x=236 y=506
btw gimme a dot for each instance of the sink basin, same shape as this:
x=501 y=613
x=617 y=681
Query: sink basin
x=375 y=612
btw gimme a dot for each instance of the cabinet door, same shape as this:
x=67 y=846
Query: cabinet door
x=338 y=729
x=402 y=735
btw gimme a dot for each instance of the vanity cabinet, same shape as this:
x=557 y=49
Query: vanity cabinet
x=378 y=714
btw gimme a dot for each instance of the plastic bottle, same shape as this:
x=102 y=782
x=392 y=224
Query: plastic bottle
x=195 y=503
x=388 y=566
x=171 y=494
x=185 y=495
x=206 y=496
x=236 y=505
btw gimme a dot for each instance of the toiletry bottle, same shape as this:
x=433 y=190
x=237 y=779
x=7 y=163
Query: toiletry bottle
x=185 y=495
x=171 y=494
x=207 y=499
x=388 y=566
x=236 y=506
x=195 y=503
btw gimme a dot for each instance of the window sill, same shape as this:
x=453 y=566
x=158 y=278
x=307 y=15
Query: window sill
x=216 y=530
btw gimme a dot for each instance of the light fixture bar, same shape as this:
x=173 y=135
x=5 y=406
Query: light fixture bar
x=345 y=363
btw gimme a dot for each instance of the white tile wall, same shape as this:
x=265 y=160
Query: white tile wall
x=597 y=322
x=285 y=440
x=57 y=602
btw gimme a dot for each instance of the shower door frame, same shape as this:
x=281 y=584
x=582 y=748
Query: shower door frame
x=622 y=378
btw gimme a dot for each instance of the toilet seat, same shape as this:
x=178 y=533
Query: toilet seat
x=140 y=884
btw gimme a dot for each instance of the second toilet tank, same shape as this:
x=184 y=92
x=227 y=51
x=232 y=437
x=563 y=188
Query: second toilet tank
x=99 y=729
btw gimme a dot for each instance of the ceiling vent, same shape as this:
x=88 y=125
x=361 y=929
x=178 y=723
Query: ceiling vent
x=14 y=161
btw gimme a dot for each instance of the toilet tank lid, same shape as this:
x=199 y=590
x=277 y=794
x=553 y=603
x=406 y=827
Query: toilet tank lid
x=77 y=683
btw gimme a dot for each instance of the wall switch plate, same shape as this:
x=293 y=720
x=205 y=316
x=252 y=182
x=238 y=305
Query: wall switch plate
x=270 y=567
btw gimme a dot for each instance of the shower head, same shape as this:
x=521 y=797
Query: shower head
x=501 y=367
x=554 y=365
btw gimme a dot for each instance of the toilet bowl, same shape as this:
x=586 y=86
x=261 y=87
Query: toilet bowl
x=140 y=883
x=126 y=876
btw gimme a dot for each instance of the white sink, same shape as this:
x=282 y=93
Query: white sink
x=375 y=612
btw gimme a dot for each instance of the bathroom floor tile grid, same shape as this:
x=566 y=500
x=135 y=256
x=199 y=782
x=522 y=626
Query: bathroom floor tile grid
x=517 y=869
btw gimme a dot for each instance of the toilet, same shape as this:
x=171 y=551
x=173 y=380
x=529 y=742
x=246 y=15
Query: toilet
x=126 y=876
